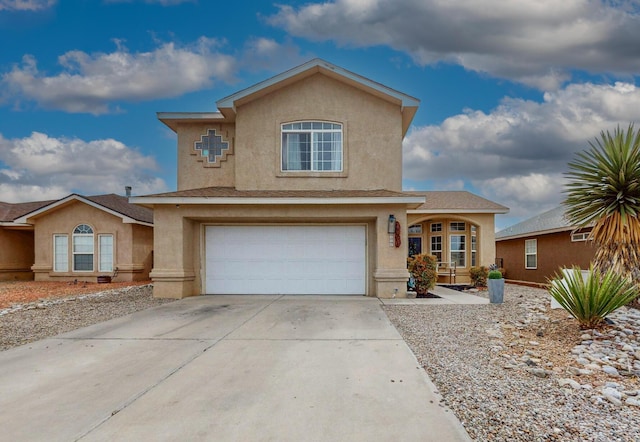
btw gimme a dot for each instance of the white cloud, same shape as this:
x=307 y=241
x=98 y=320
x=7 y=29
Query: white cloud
x=517 y=153
x=26 y=5
x=536 y=42
x=39 y=167
x=90 y=82
x=262 y=53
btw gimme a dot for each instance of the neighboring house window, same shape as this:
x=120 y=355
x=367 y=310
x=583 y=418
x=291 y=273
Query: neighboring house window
x=474 y=246
x=83 y=248
x=60 y=253
x=105 y=252
x=312 y=146
x=531 y=254
x=436 y=247
x=582 y=236
x=457 y=227
x=458 y=249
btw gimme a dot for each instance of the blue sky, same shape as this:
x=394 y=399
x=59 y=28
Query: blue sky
x=509 y=90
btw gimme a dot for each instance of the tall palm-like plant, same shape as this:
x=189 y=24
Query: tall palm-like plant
x=604 y=192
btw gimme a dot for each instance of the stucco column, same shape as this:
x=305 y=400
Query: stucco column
x=173 y=275
x=391 y=273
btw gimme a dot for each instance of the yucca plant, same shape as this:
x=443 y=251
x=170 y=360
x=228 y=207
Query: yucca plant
x=591 y=299
x=604 y=192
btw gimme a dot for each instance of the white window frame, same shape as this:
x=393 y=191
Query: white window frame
x=433 y=251
x=474 y=246
x=530 y=252
x=73 y=248
x=62 y=265
x=102 y=255
x=315 y=161
x=457 y=225
x=435 y=227
x=580 y=236
x=463 y=251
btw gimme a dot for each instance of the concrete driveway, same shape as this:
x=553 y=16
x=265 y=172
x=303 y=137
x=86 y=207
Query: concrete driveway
x=228 y=368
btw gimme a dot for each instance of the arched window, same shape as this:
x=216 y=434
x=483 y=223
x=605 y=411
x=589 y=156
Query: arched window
x=83 y=248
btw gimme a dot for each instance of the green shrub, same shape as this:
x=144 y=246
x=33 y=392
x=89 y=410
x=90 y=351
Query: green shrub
x=495 y=274
x=478 y=276
x=423 y=269
x=591 y=299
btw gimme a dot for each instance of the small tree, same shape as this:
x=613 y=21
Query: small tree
x=604 y=193
x=423 y=269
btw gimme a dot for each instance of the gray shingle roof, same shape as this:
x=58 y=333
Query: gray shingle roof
x=11 y=211
x=459 y=200
x=551 y=220
x=120 y=204
x=231 y=192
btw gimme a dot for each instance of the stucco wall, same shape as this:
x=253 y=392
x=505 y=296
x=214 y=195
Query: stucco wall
x=16 y=254
x=555 y=250
x=63 y=221
x=372 y=141
x=179 y=252
x=192 y=170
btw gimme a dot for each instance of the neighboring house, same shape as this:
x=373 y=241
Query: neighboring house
x=16 y=241
x=535 y=249
x=77 y=238
x=458 y=228
x=293 y=186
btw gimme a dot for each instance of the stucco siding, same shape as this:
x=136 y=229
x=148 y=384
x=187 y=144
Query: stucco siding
x=179 y=237
x=554 y=250
x=372 y=137
x=63 y=221
x=192 y=173
x=16 y=254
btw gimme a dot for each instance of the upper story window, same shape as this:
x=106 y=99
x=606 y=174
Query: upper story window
x=436 y=227
x=312 y=146
x=457 y=226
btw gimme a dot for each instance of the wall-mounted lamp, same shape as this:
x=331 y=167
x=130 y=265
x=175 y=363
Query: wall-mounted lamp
x=392 y=224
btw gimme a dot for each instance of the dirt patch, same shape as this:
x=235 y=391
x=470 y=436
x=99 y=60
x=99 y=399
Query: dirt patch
x=21 y=292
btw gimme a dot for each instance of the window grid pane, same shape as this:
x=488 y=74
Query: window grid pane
x=61 y=253
x=458 y=249
x=106 y=253
x=312 y=146
x=457 y=227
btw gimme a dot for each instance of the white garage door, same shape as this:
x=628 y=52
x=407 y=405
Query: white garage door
x=305 y=260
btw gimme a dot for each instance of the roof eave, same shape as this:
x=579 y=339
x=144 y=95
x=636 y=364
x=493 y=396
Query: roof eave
x=24 y=219
x=537 y=233
x=228 y=104
x=458 y=211
x=173 y=119
x=150 y=201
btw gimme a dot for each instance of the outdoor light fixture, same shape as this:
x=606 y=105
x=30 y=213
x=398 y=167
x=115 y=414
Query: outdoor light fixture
x=392 y=224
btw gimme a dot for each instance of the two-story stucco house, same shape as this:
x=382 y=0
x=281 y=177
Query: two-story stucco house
x=294 y=186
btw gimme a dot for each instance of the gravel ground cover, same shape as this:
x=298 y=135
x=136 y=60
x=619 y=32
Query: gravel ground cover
x=520 y=371
x=58 y=309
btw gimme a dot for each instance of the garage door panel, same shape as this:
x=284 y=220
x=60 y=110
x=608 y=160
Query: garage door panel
x=285 y=259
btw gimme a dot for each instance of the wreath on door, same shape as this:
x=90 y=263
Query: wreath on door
x=398 y=236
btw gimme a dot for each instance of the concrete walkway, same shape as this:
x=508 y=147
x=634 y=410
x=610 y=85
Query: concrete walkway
x=447 y=296
x=226 y=368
